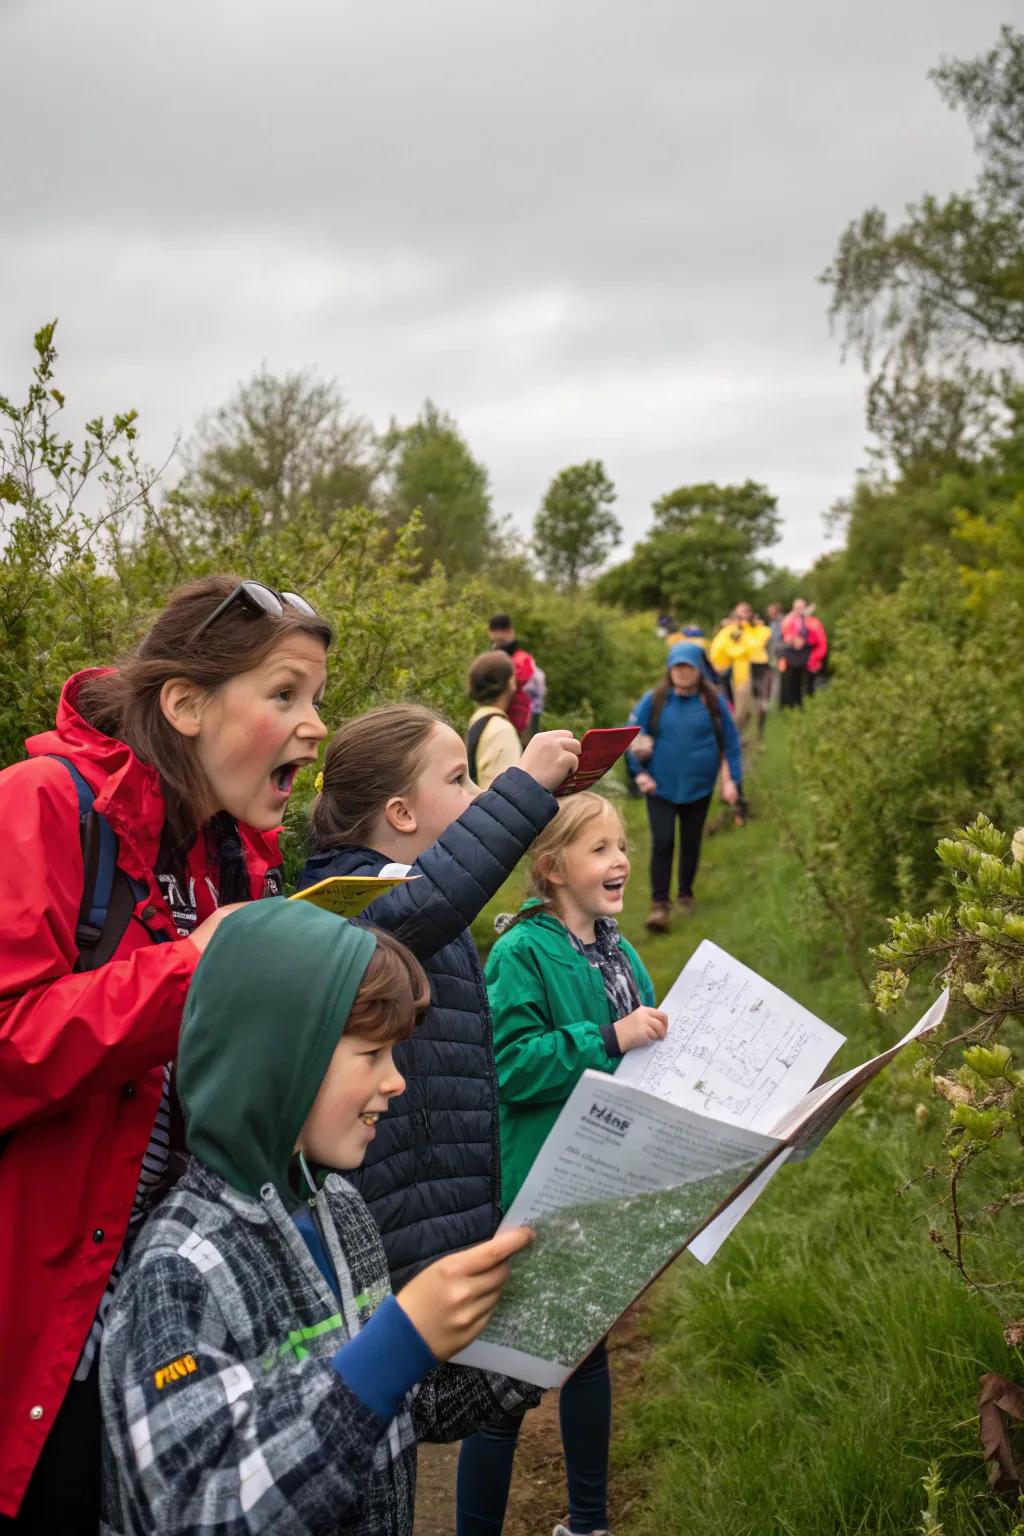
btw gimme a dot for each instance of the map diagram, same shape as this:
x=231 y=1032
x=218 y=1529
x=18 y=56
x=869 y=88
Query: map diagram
x=733 y=1041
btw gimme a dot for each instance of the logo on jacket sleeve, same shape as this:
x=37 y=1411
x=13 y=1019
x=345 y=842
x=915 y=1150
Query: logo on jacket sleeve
x=185 y=1365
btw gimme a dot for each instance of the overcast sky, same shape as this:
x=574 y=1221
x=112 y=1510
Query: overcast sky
x=587 y=228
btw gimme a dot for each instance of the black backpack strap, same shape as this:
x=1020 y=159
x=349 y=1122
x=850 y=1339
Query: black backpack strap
x=714 y=708
x=657 y=705
x=473 y=736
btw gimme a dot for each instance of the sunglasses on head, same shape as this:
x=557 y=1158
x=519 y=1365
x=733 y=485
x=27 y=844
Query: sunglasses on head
x=258 y=598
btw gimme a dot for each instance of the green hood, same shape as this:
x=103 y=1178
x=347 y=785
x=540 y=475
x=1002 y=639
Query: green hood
x=268 y=1004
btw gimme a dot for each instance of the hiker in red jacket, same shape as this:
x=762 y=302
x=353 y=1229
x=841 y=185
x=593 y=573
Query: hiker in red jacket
x=520 y=707
x=176 y=768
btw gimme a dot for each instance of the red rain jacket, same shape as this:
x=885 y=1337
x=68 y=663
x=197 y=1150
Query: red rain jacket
x=519 y=706
x=81 y=1060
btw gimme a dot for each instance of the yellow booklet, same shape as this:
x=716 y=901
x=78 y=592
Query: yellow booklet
x=347 y=895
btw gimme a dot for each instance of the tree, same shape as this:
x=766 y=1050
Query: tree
x=576 y=530
x=928 y=424
x=88 y=553
x=434 y=473
x=703 y=553
x=948 y=281
x=289 y=441
x=63 y=506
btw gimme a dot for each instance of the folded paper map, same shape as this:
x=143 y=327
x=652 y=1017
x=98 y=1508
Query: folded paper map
x=665 y=1155
x=347 y=895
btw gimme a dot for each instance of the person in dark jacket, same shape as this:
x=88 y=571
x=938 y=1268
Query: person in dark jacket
x=397 y=798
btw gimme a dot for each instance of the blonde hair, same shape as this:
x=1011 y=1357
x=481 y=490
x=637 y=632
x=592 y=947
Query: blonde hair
x=575 y=814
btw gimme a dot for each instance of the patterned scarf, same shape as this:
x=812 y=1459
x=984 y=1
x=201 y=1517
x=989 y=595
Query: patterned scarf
x=616 y=971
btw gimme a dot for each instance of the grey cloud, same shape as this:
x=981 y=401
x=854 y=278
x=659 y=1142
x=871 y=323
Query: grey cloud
x=587 y=229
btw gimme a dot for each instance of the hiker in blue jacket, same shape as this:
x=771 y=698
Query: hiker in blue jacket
x=688 y=742
x=396 y=797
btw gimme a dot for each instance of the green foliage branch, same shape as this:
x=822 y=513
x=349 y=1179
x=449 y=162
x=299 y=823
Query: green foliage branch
x=974 y=945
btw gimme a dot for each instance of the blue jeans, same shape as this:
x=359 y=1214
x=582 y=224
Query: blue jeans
x=485 y=1459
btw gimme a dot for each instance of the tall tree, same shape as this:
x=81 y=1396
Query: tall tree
x=289 y=441
x=433 y=471
x=576 y=530
x=948 y=280
x=703 y=553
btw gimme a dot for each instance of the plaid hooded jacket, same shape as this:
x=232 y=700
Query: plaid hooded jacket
x=223 y=1413
x=224 y=1409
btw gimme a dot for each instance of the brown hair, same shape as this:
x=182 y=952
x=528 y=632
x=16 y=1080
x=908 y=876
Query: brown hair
x=393 y=994
x=574 y=815
x=125 y=703
x=489 y=676
x=368 y=760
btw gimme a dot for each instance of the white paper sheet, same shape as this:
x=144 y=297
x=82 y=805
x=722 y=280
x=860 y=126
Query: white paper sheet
x=810 y=1120
x=621 y=1182
x=707 y=1243
x=807 y=1124
x=737 y=1048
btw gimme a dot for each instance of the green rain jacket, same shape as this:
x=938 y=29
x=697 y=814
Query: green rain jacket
x=549 y=1006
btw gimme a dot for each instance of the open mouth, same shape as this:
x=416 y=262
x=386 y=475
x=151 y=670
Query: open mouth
x=283 y=777
x=370 y=1118
x=615 y=887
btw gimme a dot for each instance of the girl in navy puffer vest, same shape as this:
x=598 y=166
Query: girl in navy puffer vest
x=396 y=797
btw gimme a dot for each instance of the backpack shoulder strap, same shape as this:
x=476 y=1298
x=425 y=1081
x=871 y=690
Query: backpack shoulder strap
x=109 y=895
x=99 y=860
x=714 y=708
x=473 y=736
x=657 y=705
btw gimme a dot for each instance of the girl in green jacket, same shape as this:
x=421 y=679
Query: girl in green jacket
x=567 y=992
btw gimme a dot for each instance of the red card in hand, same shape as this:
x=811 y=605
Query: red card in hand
x=601 y=748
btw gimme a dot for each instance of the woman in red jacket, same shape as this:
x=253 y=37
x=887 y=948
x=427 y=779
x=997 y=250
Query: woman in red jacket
x=190 y=749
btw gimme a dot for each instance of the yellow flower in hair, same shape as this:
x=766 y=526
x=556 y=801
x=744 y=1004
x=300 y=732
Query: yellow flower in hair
x=318 y=783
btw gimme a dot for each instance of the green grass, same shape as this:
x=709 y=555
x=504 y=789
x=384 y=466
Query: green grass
x=803 y=1381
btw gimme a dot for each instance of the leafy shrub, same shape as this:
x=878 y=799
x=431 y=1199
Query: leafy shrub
x=597 y=659
x=917 y=730
x=975 y=946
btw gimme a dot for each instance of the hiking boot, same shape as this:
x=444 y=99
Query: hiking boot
x=658 y=920
x=686 y=904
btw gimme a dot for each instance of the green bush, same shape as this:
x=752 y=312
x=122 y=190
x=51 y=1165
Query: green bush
x=597 y=659
x=89 y=551
x=917 y=731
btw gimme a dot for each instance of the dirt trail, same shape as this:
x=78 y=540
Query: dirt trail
x=537 y=1500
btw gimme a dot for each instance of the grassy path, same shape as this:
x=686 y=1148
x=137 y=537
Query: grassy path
x=803 y=1381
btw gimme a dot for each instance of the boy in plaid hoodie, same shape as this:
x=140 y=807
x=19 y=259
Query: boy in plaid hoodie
x=257 y=1374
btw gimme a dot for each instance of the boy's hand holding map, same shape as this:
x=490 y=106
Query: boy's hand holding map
x=668 y=1154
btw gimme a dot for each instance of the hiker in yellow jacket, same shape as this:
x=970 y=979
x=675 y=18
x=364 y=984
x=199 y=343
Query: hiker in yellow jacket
x=731 y=652
x=759 y=636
